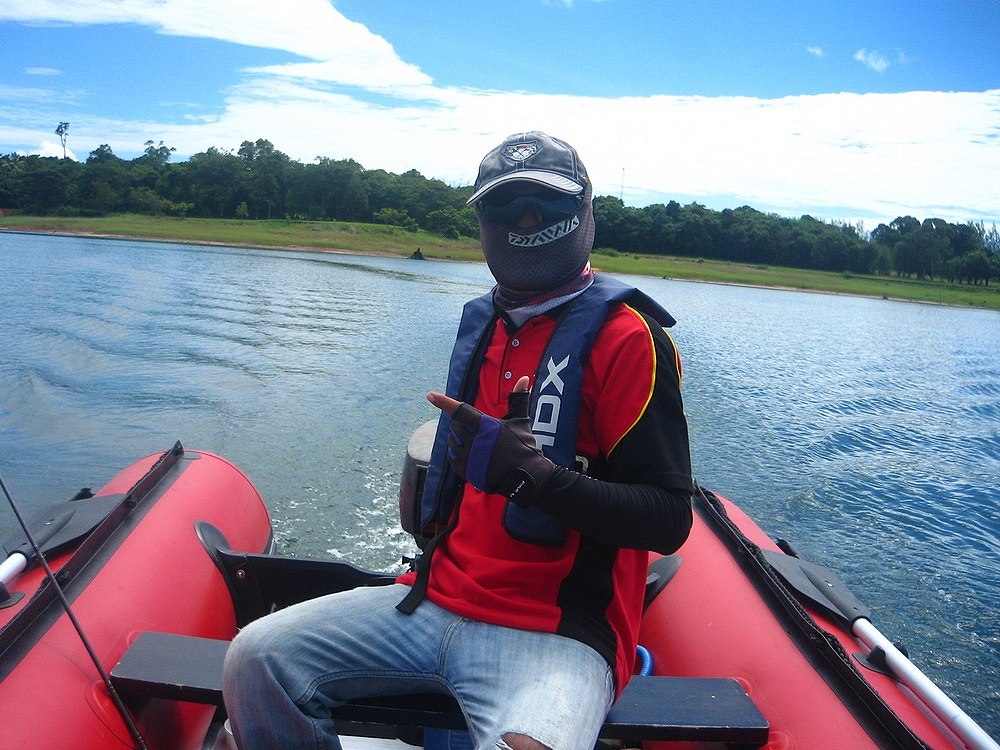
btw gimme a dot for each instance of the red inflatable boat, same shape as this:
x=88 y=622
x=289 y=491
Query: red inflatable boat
x=743 y=643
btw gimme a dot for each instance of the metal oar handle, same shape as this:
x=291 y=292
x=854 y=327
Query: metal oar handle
x=11 y=568
x=910 y=675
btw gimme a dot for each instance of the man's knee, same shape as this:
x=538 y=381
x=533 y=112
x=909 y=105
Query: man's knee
x=515 y=741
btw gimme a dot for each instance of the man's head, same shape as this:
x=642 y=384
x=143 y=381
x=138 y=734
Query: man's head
x=533 y=200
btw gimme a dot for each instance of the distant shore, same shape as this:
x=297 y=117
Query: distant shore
x=388 y=241
x=64 y=232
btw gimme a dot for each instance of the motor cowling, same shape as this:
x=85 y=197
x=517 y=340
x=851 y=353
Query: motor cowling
x=411 y=485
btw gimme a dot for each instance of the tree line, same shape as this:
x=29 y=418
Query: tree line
x=931 y=249
x=261 y=182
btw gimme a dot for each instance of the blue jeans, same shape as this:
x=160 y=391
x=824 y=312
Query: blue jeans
x=284 y=672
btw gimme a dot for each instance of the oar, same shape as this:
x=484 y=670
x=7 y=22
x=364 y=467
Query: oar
x=821 y=586
x=17 y=561
x=55 y=529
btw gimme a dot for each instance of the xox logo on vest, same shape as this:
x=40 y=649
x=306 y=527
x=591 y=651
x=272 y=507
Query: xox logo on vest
x=545 y=424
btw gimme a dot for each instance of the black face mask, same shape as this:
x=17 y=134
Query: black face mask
x=542 y=258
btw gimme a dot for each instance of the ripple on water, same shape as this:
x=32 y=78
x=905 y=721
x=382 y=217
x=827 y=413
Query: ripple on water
x=876 y=404
x=864 y=431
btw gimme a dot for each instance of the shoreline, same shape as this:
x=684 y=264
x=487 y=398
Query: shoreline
x=206 y=243
x=53 y=232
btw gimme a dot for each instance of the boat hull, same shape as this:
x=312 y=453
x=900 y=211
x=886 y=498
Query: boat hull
x=714 y=619
x=151 y=574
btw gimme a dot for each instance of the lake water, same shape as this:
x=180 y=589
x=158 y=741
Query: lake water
x=867 y=432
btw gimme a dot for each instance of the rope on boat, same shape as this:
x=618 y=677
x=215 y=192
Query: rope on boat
x=645 y=661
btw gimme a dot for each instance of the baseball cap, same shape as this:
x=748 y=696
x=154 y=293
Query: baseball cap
x=535 y=157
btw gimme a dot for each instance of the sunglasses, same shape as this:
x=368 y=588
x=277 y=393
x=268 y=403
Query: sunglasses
x=506 y=207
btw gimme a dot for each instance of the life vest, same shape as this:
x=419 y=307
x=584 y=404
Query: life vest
x=555 y=399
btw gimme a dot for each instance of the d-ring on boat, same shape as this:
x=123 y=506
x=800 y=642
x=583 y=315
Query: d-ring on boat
x=116 y=640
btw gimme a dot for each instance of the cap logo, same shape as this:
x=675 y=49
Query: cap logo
x=520 y=151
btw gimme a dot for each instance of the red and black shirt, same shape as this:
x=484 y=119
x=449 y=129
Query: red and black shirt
x=634 y=495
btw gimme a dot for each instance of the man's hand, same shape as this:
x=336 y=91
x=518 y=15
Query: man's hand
x=496 y=455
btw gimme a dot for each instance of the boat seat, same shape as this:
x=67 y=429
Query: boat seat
x=186 y=668
x=658 y=575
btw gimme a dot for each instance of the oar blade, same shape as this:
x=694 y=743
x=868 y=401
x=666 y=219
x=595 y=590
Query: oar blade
x=820 y=586
x=60 y=526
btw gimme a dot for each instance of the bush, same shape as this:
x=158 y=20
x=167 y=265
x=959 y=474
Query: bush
x=396 y=217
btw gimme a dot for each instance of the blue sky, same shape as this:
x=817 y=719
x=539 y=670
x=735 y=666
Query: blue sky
x=855 y=111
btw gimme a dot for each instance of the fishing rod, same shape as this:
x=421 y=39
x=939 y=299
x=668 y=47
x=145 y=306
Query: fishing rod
x=53 y=581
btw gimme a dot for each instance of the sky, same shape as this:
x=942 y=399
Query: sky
x=847 y=111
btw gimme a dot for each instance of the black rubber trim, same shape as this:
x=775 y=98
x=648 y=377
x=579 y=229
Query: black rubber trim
x=824 y=652
x=28 y=627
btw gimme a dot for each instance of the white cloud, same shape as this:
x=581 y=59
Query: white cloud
x=48 y=148
x=311 y=29
x=868 y=157
x=43 y=71
x=356 y=70
x=815 y=51
x=848 y=156
x=874 y=60
x=17 y=94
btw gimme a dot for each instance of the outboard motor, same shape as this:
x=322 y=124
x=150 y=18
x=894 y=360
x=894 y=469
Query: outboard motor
x=411 y=485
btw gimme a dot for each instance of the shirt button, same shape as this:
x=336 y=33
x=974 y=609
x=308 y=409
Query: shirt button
x=515 y=342
x=508 y=375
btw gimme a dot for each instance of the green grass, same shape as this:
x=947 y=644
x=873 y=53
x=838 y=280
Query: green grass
x=378 y=239
x=375 y=239
x=722 y=272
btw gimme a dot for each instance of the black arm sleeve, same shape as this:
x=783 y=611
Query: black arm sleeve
x=638 y=516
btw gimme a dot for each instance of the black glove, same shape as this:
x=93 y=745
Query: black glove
x=499 y=455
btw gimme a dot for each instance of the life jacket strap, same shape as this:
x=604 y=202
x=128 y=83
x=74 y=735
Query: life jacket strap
x=418 y=590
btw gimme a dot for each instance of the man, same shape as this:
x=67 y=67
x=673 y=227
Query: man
x=561 y=458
